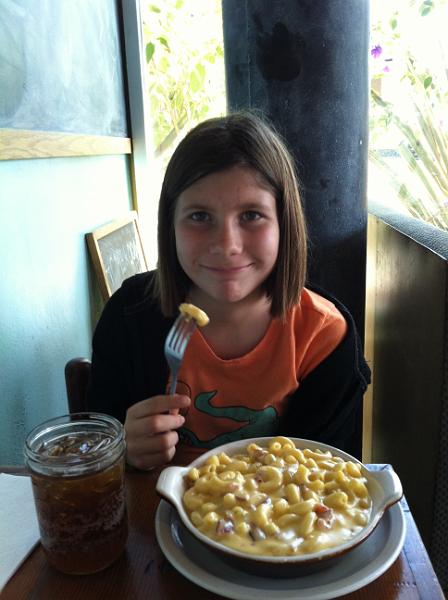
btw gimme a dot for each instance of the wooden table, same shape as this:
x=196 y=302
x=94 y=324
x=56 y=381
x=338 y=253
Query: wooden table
x=143 y=572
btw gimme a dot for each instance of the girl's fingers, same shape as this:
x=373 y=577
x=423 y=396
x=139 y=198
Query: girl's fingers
x=150 y=430
x=145 y=452
x=148 y=461
x=153 y=444
x=153 y=425
x=157 y=405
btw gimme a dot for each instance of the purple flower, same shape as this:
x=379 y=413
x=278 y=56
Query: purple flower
x=376 y=51
x=386 y=69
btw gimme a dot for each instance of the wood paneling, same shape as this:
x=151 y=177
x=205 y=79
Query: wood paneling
x=19 y=144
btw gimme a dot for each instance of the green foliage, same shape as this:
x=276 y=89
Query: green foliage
x=185 y=66
x=150 y=48
x=413 y=121
x=426 y=7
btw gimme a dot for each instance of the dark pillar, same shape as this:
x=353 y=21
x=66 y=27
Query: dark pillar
x=304 y=64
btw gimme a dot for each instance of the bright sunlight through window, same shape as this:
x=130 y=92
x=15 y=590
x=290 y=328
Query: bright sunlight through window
x=408 y=157
x=185 y=68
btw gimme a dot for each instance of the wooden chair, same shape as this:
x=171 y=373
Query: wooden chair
x=77 y=375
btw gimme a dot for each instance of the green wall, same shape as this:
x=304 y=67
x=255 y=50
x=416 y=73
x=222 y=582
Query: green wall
x=49 y=299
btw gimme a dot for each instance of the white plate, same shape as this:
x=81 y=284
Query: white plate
x=353 y=571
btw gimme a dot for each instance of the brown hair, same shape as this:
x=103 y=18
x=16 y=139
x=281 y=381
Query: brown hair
x=239 y=139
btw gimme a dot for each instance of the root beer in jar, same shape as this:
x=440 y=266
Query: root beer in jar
x=77 y=465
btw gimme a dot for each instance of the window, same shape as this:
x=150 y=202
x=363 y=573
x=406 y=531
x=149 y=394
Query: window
x=183 y=43
x=185 y=82
x=408 y=156
x=175 y=68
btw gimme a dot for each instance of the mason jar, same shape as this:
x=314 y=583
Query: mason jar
x=77 y=468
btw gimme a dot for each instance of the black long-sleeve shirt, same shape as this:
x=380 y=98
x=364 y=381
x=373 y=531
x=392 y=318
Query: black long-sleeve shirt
x=128 y=365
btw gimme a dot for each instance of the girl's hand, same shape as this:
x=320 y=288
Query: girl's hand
x=149 y=426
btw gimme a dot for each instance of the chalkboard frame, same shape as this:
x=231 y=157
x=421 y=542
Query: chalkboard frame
x=100 y=258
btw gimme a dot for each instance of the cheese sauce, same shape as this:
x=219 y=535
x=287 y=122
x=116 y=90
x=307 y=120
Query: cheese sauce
x=278 y=500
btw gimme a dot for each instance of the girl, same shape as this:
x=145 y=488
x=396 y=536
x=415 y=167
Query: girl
x=276 y=357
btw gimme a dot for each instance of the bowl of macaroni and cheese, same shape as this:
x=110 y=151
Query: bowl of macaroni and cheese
x=279 y=506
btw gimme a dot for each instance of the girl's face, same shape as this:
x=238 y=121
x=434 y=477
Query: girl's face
x=227 y=235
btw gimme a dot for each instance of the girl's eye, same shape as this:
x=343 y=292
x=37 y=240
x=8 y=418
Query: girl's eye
x=200 y=216
x=251 y=215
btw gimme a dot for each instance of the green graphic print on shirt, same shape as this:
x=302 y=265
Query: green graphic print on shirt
x=259 y=423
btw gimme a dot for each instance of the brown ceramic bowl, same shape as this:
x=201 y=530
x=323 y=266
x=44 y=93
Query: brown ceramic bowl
x=384 y=487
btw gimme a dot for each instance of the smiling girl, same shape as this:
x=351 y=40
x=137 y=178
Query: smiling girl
x=277 y=357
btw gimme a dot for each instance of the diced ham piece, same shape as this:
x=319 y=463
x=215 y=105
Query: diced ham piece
x=242 y=497
x=233 y=486
x=224 y=527
x=260 y=453
x=257 y=534
x=325 y=517
x=320 y=509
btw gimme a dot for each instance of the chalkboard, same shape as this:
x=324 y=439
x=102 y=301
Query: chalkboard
x=61 y=67
x=117 y=253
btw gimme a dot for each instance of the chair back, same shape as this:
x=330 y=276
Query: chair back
x=77 y=376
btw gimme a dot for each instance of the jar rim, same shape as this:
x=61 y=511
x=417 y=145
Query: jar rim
x=65 y=424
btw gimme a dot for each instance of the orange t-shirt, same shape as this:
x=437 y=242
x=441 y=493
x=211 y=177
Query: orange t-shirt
x=244 y=397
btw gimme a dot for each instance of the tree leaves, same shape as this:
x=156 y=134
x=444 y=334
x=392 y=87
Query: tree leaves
x=197 y=77
x=150 y=49
x=185 y=66
x=426 y=7
x=408 y=114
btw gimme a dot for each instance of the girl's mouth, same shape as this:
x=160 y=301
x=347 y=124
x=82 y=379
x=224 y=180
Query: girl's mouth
x=227 y=270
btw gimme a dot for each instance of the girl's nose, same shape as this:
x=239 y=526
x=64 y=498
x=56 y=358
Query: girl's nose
x=226 y=240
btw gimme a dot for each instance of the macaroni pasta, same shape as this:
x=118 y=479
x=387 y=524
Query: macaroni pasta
x=190 y=311
x=279 y=500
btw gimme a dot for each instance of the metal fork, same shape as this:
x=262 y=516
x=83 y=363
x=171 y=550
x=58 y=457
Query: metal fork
x=175 y=345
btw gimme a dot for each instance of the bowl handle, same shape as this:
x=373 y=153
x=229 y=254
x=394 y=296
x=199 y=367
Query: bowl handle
x=391 y=484
x=168 y=484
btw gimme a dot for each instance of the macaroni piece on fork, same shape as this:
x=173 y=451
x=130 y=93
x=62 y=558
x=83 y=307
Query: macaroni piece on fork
x=193 y=312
